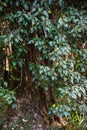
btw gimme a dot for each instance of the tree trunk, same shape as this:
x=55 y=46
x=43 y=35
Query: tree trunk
x=32 y=103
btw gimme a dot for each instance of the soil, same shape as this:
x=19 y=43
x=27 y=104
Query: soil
x=30 y=113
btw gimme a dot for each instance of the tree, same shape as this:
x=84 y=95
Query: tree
x=43 y=59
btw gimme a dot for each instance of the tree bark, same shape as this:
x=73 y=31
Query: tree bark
x=32 y=102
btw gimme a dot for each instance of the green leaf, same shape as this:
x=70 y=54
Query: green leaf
x=14 y=63
x=10 y=102
x=46 y=88
x=1 y=8
x=5 y=84
x=13 y=106
x=20 y=63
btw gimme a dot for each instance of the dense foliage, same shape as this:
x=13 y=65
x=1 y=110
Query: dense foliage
x=54 y=32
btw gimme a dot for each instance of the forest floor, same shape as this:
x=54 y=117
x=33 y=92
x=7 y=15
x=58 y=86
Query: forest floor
x=28 y=115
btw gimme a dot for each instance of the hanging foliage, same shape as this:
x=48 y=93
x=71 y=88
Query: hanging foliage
x=51 y=36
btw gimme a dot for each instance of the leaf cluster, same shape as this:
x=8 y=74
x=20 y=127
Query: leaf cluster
x=61 y=45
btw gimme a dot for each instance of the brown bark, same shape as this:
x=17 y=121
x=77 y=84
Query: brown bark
x=32 y=101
